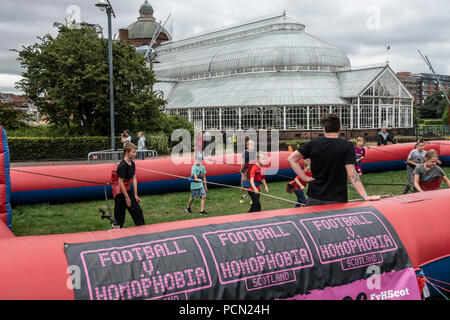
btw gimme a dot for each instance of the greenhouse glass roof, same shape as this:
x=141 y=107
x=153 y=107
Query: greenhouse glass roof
x=265 y=62
x=287 y=88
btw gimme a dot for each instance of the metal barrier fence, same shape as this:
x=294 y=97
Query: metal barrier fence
x=426 y=133
x=116 y=155
x=441 y=132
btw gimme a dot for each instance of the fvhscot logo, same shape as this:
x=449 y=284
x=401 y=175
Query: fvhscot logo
x=390 y=294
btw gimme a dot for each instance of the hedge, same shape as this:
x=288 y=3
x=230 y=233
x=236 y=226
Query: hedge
x=59 y=148
x=72 y=148
x=158 y=142
x=433 y=122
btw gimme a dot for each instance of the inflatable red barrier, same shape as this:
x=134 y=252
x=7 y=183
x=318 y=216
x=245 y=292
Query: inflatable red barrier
x=393 y=157
x=266 y=255
x=5 y=181
x=36 y=267
x=87 y=182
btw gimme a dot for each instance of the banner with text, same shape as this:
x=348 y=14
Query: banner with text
x=340 y=254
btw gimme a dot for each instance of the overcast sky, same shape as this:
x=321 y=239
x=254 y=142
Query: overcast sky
x=362 y=29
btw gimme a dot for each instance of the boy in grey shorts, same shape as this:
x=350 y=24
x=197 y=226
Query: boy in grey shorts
x=198 y=185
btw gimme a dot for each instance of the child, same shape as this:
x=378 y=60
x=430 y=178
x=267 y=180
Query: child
x=428 y=175
x=254 y=184
x=198 y=185
x=360 y=154
x=141 y=145
x=415 y=158
x=298 y=185
x=124 y=197
x=248 y=160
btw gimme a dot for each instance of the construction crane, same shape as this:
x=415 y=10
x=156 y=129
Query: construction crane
x=150 y=54
x=427 y=61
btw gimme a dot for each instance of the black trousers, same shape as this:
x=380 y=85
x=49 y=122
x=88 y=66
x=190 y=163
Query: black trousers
x=315 y=202
x=120 y=204
x=256 y=204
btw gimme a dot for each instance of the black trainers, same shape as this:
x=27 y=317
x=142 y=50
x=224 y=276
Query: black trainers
x=187 y=210
x=203 y=212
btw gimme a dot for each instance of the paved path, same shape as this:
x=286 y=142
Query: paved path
x=45 y=163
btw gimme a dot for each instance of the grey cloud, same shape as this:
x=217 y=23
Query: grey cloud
x=405 y=24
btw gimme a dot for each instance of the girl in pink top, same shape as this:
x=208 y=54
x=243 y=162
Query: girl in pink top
x=360 y=152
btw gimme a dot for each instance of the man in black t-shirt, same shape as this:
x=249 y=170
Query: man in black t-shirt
x=124 y=197
x=332 y=161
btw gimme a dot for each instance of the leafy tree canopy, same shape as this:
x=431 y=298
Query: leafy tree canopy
x=434 y=106
x=67 y=77
x=11 y=117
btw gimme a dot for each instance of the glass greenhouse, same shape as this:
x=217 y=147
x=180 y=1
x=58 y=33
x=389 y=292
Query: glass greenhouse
x=270 y=74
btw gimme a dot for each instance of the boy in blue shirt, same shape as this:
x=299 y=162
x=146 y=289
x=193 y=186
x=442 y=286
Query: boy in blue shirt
x=198 y=185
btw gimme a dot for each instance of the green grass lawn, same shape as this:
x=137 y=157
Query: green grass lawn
x=40 y=219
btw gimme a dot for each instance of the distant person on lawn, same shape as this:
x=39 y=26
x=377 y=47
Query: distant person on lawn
x=141 y=145
x=125 y=137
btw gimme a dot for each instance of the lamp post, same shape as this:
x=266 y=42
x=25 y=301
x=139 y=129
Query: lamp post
x=105 y=5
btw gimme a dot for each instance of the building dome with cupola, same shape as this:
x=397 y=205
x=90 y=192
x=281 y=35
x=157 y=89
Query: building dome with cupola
x=140 y=32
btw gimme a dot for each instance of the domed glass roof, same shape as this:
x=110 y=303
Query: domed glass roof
x=276 y=43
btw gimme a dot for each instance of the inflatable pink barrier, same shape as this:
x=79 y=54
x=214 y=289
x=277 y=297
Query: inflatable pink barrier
x=267 y=255
x=393 y=157
x=270 y=255
x=5 y=180
x=87 y=182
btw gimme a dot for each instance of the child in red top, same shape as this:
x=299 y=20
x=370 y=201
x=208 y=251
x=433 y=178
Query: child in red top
x=248 y=160
x=298 y=185
x=254 y=184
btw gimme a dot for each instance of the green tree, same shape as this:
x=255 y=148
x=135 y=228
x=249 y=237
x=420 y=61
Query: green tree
x=67 y=77
x=434 y=106
x=445 y=117
x=415 y=115
x=12 y=118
